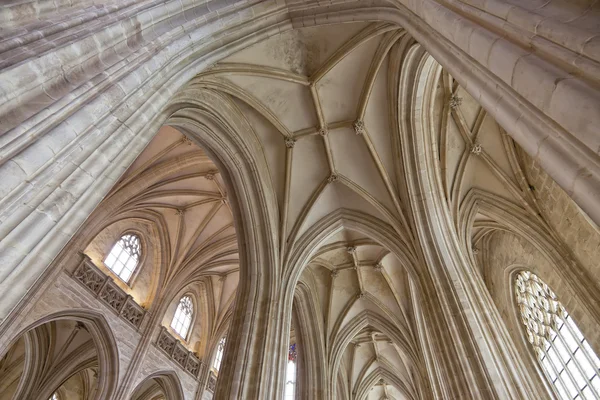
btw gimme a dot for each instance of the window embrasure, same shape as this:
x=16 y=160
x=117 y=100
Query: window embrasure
x=125 y=256
x=183 y=316
x=566 y=357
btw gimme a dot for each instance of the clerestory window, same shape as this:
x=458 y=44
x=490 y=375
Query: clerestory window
x=54 y=396
x=566 y=357
x=219 y=355
x=124 y=257
x=183 y=316
x=290 y=373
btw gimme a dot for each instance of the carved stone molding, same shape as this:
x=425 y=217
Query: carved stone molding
x=455 y=101
x=290 y=142
x=476 y=149
x=359 y=127
x=212 y=382
x=106 y=290
x=173 y=348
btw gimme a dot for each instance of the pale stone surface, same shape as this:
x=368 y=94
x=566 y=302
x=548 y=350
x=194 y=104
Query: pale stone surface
x=324 y=136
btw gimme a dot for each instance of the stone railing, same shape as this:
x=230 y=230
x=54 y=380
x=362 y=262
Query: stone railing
x=178 y=352
x=105 y=289
x=212 y=382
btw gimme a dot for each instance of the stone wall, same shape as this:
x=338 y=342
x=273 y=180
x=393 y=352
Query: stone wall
x=65 y=294
x=574 y=228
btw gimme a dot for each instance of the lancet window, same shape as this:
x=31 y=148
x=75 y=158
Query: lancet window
x=54 y=396
x=566 y=357
x=124 y=257
x=219 y=355
x=290 y=373
x=182 y=320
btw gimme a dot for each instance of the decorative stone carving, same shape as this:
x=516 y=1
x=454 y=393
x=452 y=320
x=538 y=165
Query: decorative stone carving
x=186 y=140
x=166 y=342
x=133 y=313
x=91 y=277
x=351 y=249
x=455 y=101
x=113 y=296
x=378 y=267
x=332 y=178
x=290 y=142
x=475 y=250
x=108 y=291
x=179 y=211
x=361 y=295
x=323 y=131
x=193 y=365
x=476 y=149
x=180 y=354
x=212 y=382
x=359 y=127
x=210 y=176
x=334 y=273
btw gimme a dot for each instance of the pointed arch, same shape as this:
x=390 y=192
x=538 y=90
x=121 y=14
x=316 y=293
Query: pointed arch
x=104 y=341
x=167 y=380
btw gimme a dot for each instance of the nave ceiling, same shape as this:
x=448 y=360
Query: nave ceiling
x=323 y=106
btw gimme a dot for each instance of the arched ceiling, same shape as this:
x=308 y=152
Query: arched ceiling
x=174 y=184
x=59 y=356
x=351 y=276
x=316 y=99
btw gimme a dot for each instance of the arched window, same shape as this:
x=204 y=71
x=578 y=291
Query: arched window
x=124 y=256
x=183 y=316
x=566 y=357
x=54 y=396
x=219 y=355
x=290 y=373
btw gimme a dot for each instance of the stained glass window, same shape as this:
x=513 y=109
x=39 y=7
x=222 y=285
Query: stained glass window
x=183 y=316
x=219 y=355
x=124 y=256
x=290 y=373
x=566 y=357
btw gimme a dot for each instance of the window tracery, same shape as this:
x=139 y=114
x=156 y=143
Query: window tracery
x=124 y=256
x=566 y=357
x=219 y=355
x=183 y=316
x=290 y=373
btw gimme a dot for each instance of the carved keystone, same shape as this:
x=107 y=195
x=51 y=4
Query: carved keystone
x=359 y=127
x=455 y=101
x=290 y=142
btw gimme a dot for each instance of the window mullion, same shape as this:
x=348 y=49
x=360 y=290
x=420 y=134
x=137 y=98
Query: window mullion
x=566 y=368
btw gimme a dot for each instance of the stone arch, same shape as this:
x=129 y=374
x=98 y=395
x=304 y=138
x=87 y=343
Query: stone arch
x=309 y=242
x=104 y=341
x=564 y=276
x=376 y=375
x=168 y=383
x=203 y=116
x=315 y=374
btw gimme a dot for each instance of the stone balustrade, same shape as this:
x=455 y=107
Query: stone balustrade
x=178 y=352
x=105 y=289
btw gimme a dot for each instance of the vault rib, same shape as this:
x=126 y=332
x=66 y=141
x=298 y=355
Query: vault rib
x=366 y=34
x=389 y=39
